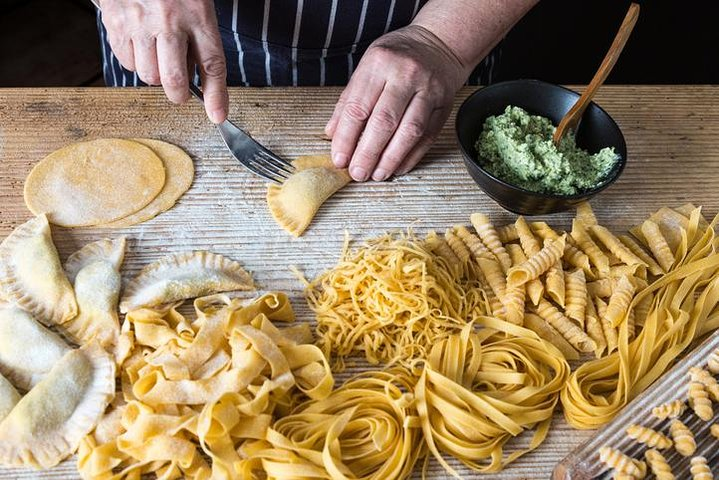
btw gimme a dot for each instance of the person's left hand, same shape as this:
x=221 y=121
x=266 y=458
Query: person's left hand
x=395 y=104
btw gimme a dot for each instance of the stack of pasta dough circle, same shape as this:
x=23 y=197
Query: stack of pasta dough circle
x=108 y=182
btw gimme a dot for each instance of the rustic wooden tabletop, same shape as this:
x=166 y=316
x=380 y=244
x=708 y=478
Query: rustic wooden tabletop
x=672 y=133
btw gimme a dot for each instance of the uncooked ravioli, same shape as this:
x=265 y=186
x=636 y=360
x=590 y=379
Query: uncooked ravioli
x=90 y=183
x=179 y=172
x=295 y=203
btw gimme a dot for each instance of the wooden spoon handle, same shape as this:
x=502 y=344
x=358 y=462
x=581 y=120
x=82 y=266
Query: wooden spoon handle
x=571 y=119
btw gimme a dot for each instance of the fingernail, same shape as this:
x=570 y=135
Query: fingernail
x=340 y=160
x=217 y=116
x=380 y=174
x=359 y=174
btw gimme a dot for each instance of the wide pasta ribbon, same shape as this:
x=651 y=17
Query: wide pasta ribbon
x=684 y=305
x=208 y=386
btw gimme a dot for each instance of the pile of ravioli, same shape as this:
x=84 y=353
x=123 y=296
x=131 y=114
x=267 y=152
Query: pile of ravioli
x=53 y=394
x=108 y=182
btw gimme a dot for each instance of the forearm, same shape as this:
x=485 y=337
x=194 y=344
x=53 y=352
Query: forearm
x=471 y=28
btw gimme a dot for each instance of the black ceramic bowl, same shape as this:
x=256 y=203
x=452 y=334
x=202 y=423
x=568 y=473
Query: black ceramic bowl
x=596 y=131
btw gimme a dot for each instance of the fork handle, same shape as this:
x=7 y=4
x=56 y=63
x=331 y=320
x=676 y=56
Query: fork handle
x=197 y=92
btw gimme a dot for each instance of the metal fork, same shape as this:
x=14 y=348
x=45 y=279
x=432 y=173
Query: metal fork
x=248 y=151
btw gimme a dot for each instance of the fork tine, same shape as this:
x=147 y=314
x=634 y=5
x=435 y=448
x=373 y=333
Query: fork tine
x=268 y=170
x=275 y=163
x=258 y=160
x=274 y=157
x=258 y=170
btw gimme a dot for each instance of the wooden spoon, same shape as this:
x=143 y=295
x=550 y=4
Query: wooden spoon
x=574 y=115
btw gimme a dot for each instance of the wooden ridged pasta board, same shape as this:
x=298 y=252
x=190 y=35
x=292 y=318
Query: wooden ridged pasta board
x=583 y=462
x=672 y=135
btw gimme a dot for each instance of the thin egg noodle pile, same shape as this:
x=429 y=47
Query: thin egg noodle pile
x=392 y=300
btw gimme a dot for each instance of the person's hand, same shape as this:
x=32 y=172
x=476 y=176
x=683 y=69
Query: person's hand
x=162 y=40
x=395 y=104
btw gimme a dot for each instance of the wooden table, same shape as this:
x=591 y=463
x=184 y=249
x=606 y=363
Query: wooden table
x=672 y=135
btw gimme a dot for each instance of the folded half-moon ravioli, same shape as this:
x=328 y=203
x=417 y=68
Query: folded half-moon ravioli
x=47 y=424
x=295 y=203
x=95 y=269
x=31 y=274
x=28 y=351
x=183 y=276
x=8 y=397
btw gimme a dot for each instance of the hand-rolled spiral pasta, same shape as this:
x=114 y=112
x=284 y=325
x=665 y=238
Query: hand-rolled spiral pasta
x=684 y=306
x=649 y=437
x=697 y=374
x=699 y=401
x=684 y=442
x=620 y=462
x=659 y=465
x=700 y=469
x=713 y=362
x=489 y=236
x=479 y=390
x=672 y=409
x=538 y=263
x=366 y=429
x=572 y=333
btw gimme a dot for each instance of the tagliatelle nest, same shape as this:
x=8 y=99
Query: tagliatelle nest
x=393 y=298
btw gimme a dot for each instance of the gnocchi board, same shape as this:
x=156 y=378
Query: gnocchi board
x=672 y=133
x=583 y=462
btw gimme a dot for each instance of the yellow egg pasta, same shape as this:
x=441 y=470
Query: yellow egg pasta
x=593 y=327
x=697 y=374
x=573 y=334
x=576 y=297
x=442 y=249
x=652 y=265
x=534 y=288
x=671 y=409
x=580 y=235
x=490 y=238
x=658 y=245
x=600 y=288
x=649 y=437
x=476 y=377
x=538 y=263
x=714 y=430
x=529 y=243
x=473 y=243
x=366 y=429
x=616 y=247
x=658 y=465
x=507 y=233
x=700 y=469
x=683 y=307
x=539 y=326
x=554 y=284
x=699 y=401
x=684 y=442
x=492 y=271
x=207 y=387
x=391 y=299
x=713 y=362
x=585 y=214
x=515 y=296
x=620 y=462
x=620 y=300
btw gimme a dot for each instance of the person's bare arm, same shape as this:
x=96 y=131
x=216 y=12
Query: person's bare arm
x=401 y=94
x=162 y=39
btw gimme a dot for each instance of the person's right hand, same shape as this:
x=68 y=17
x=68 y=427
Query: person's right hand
x=162 y=39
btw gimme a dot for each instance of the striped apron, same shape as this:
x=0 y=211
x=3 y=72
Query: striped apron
x=296 y=42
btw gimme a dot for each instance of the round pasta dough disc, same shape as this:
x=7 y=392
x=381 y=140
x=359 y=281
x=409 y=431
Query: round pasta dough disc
x=90 y=183
x=179 y=173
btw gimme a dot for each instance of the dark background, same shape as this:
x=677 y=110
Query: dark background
x=54 y=43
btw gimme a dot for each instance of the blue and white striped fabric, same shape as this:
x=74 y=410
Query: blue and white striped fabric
x=296 y=42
